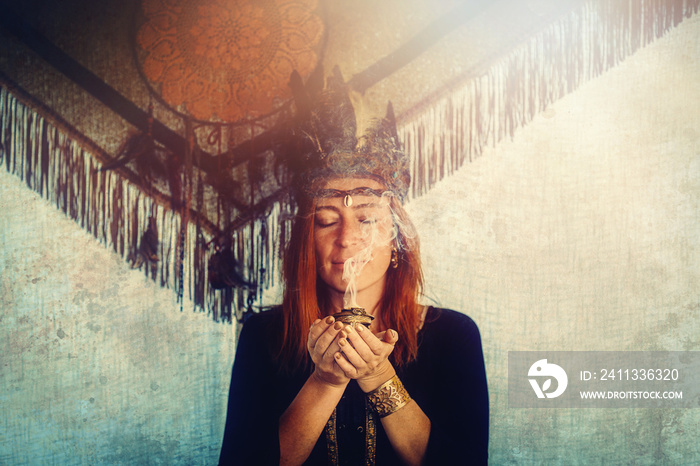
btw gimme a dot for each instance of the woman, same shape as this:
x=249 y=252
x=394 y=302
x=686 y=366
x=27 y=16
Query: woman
x=309 y=389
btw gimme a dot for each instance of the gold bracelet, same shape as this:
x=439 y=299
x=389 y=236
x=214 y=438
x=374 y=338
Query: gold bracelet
x=389 y=397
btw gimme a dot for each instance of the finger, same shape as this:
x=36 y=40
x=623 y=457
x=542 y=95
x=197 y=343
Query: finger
x=311 y=329
x=374 y=343
x=352 y=355
x=327 y=338
x=388 y=336
x=359 y=343
x=326 y=360
x=317 y=328
x=391 y=337
x=334 y=347
x=348 y=369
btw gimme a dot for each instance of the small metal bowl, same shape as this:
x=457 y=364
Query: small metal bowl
x=354 y=316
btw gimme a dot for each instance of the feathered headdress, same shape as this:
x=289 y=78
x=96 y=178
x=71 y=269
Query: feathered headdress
x=330 y=143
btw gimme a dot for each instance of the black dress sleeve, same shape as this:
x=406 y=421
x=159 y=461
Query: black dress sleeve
x=453 y=391
x=251 y=435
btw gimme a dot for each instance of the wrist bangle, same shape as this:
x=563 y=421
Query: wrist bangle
x=389 y=397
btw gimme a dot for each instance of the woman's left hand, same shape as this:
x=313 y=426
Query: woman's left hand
x=365 y=356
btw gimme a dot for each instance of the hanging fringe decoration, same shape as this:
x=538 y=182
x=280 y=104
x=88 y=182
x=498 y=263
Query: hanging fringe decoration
x=103 y=203
x=556 y=61
x=51 y=158
x=171 y=238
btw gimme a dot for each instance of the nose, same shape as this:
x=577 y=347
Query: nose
x=349 y=234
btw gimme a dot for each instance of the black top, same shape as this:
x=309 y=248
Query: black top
x=447 y=380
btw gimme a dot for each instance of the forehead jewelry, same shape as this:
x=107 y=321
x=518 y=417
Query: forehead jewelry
x=347 y=195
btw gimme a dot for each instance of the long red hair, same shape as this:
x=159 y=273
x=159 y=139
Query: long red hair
x=306 y=300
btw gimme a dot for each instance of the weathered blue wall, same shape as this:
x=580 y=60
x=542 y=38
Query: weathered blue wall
x=583 y=233
x=99 y=366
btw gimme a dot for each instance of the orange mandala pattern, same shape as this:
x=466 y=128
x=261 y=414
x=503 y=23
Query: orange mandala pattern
x=227 y=60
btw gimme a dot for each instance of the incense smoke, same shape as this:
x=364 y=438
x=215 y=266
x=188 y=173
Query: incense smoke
x=374 y=233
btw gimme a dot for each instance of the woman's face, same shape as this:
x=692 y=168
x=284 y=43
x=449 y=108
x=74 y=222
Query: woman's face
x=353 y=238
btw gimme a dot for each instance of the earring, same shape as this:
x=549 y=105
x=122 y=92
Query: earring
x=394 y=258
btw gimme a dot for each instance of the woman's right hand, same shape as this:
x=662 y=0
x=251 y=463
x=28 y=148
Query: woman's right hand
x=323 y=345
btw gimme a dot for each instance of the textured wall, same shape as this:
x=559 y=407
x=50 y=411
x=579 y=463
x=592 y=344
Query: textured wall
x=581 y=233
x=98 y=364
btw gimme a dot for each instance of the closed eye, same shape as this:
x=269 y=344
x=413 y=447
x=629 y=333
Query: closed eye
x=325 y=224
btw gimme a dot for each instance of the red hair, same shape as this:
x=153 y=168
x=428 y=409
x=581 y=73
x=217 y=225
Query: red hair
x=305 y=298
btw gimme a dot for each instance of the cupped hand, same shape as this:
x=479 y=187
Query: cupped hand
x=365 y=356
x=322 y=345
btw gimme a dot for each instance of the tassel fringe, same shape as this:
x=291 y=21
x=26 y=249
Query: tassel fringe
x=54 y=162
x=556 y=61
x=60 y=164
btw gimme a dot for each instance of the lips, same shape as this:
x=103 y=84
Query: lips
x=338 y=265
